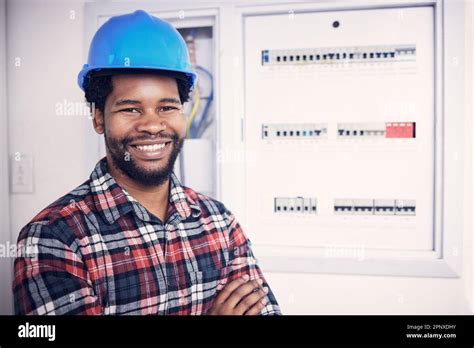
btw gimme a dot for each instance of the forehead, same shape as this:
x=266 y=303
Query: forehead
x=146 y=84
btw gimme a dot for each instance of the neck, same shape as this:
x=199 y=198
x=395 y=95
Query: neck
x=153 y=198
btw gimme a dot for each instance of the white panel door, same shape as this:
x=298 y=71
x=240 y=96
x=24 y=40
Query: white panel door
x=339 y=124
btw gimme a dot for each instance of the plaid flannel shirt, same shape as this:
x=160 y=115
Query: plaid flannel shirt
x=99 y=251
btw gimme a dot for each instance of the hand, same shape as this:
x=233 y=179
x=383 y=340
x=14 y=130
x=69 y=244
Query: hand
x=240 y=297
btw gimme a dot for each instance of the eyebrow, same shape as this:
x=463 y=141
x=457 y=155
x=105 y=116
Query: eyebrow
x=170 y=100
x=126 y=102
x=137 y=102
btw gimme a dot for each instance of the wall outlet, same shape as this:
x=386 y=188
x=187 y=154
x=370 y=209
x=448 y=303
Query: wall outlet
x=21 y=179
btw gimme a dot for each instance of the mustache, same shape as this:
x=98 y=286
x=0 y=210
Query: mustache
x=166 y=136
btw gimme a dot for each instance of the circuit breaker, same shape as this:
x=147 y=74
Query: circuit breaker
x=339 y=113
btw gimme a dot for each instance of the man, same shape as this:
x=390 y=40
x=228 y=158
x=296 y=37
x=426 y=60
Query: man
x=131 y=239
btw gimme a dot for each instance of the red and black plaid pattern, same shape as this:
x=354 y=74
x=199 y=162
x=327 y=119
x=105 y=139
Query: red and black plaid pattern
x=99 y=251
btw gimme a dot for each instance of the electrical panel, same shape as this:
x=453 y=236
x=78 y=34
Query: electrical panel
x=339 y=112
x=196 y=166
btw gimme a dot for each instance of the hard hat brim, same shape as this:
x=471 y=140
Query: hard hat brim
x=85 y=74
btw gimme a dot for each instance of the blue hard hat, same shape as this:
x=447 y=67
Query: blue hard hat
x=138 y=41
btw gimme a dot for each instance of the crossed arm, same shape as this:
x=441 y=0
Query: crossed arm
x=56 y=280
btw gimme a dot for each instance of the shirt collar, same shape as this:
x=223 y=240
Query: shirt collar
x=112 y=201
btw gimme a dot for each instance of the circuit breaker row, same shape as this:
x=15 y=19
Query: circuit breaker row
x=387 y=130
x=326 y=55
x=375 y=206
x=307 y=205
x=344 y=130
x=303 y=130
x=304 y=205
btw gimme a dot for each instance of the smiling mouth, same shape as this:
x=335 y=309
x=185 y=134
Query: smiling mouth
x=155 y=151
x=150 y=148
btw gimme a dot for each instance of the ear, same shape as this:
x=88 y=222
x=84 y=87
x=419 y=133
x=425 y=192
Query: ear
x=98 y=121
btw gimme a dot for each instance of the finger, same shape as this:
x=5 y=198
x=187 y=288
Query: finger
x=251 y=300
x=243 y=291
x=229 y=289
x=257 y=308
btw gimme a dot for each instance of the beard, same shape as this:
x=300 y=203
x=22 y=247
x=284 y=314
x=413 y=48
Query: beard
x=124 y=162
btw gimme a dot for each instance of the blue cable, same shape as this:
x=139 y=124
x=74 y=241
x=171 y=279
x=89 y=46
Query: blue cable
x=196 y=130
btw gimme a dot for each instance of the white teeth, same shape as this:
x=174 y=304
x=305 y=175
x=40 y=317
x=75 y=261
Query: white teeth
x=153 y=147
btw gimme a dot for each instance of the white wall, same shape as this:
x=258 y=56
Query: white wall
x=469 y=192
x=5 y=262
x=50 y=45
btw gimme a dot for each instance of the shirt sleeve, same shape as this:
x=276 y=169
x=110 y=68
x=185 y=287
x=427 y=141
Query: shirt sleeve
x=242 y=261
x=49 y=277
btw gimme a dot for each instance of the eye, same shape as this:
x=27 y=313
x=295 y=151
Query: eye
x=130 y=111
x=168 y=110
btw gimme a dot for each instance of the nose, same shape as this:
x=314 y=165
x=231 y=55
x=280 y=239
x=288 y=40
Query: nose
x=151 y=122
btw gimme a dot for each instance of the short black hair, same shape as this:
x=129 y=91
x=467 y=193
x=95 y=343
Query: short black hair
x=98 y=85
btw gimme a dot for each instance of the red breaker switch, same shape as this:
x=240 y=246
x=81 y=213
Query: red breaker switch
x=400 y=130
